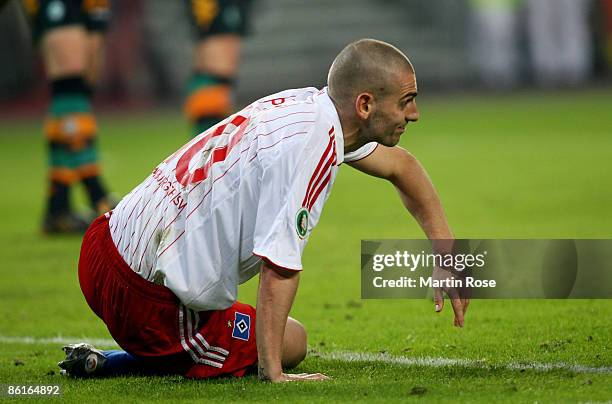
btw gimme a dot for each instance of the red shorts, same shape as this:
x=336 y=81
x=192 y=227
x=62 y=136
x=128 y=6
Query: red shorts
x=149 y=321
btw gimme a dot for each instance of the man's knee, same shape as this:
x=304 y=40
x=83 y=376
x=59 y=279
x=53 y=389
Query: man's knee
x=295 y=344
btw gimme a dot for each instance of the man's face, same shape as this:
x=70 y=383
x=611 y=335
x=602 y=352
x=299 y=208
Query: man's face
x=393 y=112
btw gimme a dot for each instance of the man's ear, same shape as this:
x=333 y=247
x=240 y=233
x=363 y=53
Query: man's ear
x=364 y=105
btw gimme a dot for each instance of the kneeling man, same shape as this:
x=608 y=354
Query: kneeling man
x=162 y=269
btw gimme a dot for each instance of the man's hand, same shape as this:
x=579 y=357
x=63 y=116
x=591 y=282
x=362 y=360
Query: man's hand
x=459 y=297
x=297 y=377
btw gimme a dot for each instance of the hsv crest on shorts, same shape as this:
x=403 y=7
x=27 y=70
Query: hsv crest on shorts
x=242 y=326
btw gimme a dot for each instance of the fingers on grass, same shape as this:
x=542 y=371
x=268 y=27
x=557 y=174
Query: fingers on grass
x=458 y=309
x=438 y=300
x=466 y=303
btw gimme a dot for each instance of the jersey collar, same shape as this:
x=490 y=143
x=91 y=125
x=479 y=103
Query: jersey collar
x=329 y=109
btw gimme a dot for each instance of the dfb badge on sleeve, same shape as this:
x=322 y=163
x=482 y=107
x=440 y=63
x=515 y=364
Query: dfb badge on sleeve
x=242 y=326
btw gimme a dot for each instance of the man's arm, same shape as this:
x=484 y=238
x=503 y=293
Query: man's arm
x=277 y=287
x=419 y=196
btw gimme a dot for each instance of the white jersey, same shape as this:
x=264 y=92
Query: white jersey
x=251 y=187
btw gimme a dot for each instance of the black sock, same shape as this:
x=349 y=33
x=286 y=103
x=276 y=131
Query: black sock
x=95 y=189
x=58 y=198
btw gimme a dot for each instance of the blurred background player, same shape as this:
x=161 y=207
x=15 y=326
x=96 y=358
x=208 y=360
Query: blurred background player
x=70 y=36
x=220 y=25
x=560 y=41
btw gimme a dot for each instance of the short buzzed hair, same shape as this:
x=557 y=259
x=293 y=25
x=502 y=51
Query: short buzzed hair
x=365 y=65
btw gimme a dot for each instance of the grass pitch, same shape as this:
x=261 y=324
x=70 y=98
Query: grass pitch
x=521 y=166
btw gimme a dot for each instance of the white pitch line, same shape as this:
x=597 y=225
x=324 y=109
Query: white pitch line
x=103 y=342
x=347 y=356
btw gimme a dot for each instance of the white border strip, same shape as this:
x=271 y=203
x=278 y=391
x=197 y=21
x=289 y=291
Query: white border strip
x=347 y=356
x=102 y=342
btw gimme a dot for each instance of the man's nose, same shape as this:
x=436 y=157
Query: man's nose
x=412 y=113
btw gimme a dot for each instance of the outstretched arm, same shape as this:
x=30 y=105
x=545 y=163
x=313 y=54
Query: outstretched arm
x=277 y=287
x=419 y=196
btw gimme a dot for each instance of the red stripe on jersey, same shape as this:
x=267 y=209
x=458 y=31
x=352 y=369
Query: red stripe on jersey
x=326 y=168
x=318 y=191
x=318 y=173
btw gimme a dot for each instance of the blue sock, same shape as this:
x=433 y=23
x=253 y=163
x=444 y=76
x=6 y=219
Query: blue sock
x=119 y=363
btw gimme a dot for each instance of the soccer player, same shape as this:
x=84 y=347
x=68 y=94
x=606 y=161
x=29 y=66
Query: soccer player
x=162 y=269
x=220 y=25
x=70 y=34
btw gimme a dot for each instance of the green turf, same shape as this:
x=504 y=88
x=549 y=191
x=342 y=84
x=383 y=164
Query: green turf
x=523 y=166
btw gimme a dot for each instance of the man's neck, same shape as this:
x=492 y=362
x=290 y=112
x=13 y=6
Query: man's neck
x=350 y=131
x=352 y=139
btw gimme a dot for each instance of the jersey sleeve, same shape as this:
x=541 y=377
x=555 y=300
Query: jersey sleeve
x=362 y=152
x=290 y=187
